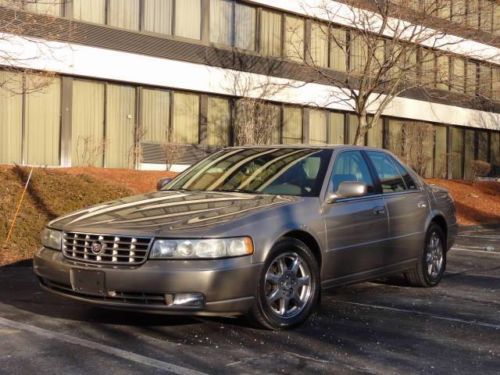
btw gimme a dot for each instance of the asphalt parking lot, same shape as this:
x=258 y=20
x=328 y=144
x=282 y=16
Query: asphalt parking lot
x=378 y=327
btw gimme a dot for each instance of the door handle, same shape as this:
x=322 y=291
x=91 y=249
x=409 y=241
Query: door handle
x=421 y=205
x=379 y=211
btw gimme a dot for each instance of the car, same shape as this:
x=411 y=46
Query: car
x=258 y=231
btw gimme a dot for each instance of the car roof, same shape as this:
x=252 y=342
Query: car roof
x=308 y=146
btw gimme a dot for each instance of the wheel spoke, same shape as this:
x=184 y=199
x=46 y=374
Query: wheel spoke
x=282 y=266
x=303 y=281
x=284 y=305
x=272 y=278
x=274 y=296
x=295 y=265
x=297 y=299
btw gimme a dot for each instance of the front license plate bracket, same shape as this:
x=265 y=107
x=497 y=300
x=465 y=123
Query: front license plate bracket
x=88 y=282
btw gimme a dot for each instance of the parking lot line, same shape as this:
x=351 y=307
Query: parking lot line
x=129 y=356
x=422 y=313
x=475 y=251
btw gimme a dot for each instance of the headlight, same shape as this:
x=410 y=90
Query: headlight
x=52 y=238
x=202 y=249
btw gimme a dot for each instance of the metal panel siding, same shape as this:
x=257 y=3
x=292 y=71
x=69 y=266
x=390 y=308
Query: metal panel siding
x=155 y=115
x=42 y=113
x=10 y=117
x=87 y=135
x=89 y=10
x=218 y=121
x=120 y=122
x=337 y=128
x=158 y=16
x=124 y=14
x=186 y=118
x=188 y=18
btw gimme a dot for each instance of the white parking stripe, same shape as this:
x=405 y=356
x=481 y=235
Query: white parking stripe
x=494 y=252
x=422 y=313
x=129 y=356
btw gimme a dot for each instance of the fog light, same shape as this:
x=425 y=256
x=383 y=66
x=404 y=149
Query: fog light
x=188 y=299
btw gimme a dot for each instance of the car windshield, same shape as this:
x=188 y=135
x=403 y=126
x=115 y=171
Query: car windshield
x=277 y=171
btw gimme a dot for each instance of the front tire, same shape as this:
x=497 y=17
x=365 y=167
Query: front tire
x=430 y=268
x=288 y=287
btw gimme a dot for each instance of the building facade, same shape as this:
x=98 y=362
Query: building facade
x=150 y=83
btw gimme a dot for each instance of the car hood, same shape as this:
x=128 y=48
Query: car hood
x=168 y=212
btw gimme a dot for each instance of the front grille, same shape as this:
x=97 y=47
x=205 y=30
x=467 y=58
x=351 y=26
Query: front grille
x=104 y=249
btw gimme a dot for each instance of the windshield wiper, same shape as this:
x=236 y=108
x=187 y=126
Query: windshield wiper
x=246 y=191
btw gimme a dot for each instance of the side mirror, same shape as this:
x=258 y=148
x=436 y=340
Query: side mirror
x=162 y=183
x=348 y=189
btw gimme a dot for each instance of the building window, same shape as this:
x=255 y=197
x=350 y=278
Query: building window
x=158 y=16
x=317 y=127
x=292 y=125
x=374 y=136
x=294 y=38
x=485 y=80
x=338 y=49
x=155 y=116
x=188 y=19
x=270 y=33
x=473 y=14
x=221 y=22
x=443 y=72
x=186 y=118
x=89 y=10
x=358 y=53
x=124 y=14
x=471 y=78
x=443 y=9
x=11 y=102
x=218 y=121
x=457 y=150
x=337 y=128
x=486 y=16
x=319 y=44
x=440 y=153
x=120 y=126
x=468 y=153
x=232 y=24
x=495 y=149
x=458 y=11
x=496 y=83
x=42 y=116
x=458 y=80
x=245 y=20
x=87 y=124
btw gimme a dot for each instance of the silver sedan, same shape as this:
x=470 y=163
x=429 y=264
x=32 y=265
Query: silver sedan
x=254 y=230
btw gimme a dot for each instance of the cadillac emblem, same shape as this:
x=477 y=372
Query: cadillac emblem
x=97 y=248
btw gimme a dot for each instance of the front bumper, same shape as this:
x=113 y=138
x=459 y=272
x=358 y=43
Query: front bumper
x=227 y=285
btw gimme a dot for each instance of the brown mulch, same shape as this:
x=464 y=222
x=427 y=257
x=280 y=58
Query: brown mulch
x=136 y=181
x=476 y=202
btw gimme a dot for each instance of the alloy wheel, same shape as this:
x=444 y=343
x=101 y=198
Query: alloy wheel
x=434 y=256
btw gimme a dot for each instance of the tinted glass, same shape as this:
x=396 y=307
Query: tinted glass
x=350 y=166
x=410 y=183
x=389 y=177
x=283 y=171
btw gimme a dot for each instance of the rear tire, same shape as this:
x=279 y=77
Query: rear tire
x=430 y=268
x=288 y=287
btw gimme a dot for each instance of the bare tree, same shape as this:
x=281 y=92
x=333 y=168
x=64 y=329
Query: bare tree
x=22 y=21
x=383 y=51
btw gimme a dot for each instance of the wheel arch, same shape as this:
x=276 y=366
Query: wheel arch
x=308 y=239
x=440 y=220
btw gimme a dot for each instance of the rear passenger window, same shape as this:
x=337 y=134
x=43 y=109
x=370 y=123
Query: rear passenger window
x=388 y=174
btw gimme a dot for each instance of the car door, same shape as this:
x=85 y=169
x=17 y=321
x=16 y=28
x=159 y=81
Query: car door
x=356 y=228
x=407 y=206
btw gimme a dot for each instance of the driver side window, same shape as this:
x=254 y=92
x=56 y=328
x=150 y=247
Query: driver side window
x=351 y=166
